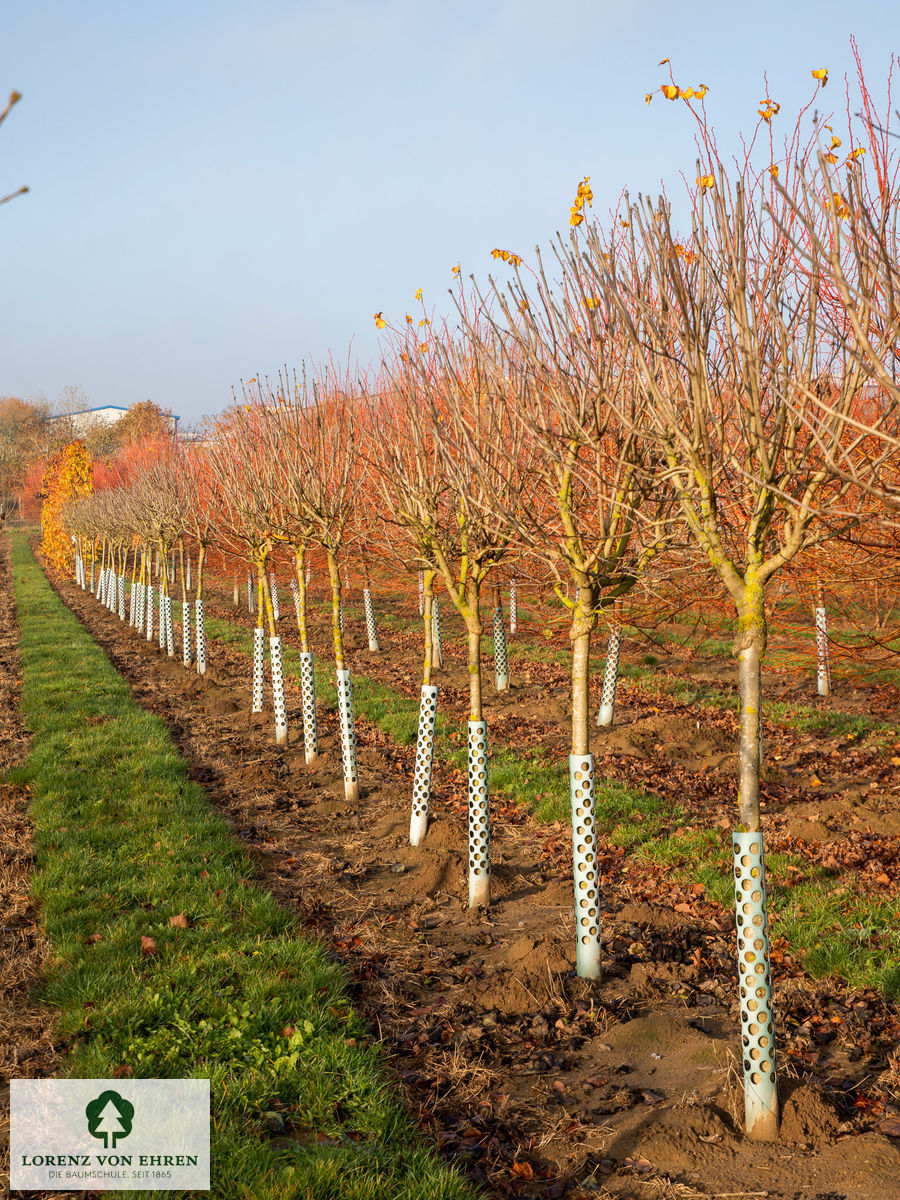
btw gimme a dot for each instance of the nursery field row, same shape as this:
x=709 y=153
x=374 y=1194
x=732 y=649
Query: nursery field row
x=533 y=1081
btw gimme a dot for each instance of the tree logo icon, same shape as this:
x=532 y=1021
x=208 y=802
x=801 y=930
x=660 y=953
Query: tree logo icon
x=109 y=1116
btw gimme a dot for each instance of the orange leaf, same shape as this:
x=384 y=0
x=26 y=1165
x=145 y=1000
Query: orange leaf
x=148 y=947
x=669 y=90
x=522 y=1170
x=179 y=921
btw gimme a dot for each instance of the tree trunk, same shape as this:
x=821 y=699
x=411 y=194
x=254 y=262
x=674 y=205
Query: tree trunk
x=751 y=645
x=583 y=621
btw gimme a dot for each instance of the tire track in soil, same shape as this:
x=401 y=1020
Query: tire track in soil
x=530 y=1080
x=28 y=1048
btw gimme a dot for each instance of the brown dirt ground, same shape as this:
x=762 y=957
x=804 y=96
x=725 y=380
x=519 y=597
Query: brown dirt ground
x=27 y=1045
x=533 y=1082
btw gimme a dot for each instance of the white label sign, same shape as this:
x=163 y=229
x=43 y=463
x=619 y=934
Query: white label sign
x=100 y=1135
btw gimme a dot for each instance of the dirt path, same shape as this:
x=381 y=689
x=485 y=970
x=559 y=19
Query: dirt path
x=27 y=1030
x=534 y=1082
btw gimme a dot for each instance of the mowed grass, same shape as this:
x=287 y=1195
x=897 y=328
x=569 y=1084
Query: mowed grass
x=835 y=929
x=124 y=842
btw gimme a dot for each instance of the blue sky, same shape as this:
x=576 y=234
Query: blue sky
x=218 y=188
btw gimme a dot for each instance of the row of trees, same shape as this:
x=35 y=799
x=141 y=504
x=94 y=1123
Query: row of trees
x=656 y=407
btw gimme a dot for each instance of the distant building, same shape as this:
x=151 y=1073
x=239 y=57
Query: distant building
x=105 y=414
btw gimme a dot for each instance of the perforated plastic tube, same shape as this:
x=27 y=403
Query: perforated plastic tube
x=273 y=587
x=424 y=762
x=421 y=593
x=371 y=629
x=149 y=623
x=479 y=817
x=348 y=734
x=610 y=678
x=200 y=633
x=586 y=869
x=170 y=629
x=513 y=607
x=501 y=661
x=308 y=695
x=278 y=703
x=755 y=978
x=259 y=650
x=823 y=671
x=186 y=633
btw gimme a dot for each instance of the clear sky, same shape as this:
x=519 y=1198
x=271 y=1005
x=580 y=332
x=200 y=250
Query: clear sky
x=219 y=187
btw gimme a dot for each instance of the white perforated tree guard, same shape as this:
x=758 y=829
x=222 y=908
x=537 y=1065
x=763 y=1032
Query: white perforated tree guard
x=341 y=617
x=479 y=817
x=295 y=592
x=424 y=762
x=308 y=695
x=501 y=661
x=273 y=588
x=139 y=607
x=121 y=589
x=186 y=633
x=249 y=593
x=200 y=633
x=150 y=612
x=436 y=643
x=755 y=978
x=371 y=629
x=823 y=669
x=278 y=701
x=348 y=734
x=585 y=866
x=92 y=573
x=170 y=629
x=132 y=605
x=259 y=652
x=513 y=607
x=610 y=678
x=161 y=615
x=187 y=573
x=421 y=593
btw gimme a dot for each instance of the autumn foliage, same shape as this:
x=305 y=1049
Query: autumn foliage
x=67 y=476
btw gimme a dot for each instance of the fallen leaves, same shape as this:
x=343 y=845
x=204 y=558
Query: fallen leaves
x=148 y=946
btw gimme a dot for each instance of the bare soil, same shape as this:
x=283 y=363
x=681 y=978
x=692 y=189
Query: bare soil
x=536 y=1083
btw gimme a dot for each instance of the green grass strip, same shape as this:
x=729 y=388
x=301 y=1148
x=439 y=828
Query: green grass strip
x=124 y=841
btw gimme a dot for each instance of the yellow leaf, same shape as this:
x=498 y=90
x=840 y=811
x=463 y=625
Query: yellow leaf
x=418 y=295
x=409 y=319
x=830 y=158
x=456 y=269
x=576 y=218
x=701 y=91
x=706 y=181
x=648 y=96
x=495 y=253
x=773 y=171
x=380 y=322
x=663 y=62
x=821 y=74
x=686 y=93
x=835 y=142
x=669 y=90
